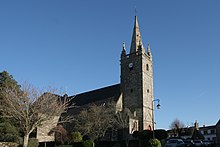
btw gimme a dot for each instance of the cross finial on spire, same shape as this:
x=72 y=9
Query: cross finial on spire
x=123 y=53
x=135 y=11
x=123 y=46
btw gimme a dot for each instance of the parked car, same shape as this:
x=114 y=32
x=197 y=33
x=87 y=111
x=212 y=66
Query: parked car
x=198 y=143
x=206 y=143
x=189 y=143
x=174 y=142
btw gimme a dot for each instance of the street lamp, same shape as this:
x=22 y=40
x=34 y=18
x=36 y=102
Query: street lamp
x=158 y=107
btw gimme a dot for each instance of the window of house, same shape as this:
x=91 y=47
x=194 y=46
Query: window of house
x=212 y=131
x=148 y=90
x=205 y=132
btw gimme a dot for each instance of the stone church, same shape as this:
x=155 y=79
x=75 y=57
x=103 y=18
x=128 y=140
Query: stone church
x=135 y=90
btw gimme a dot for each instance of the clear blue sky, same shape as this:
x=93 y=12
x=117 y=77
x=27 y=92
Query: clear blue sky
x=75 y=45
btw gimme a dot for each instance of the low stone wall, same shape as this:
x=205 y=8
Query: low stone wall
x=8 y=144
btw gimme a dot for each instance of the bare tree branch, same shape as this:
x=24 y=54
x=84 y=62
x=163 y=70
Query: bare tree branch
x=177 y=127
x=95 y=120
x=31 y=108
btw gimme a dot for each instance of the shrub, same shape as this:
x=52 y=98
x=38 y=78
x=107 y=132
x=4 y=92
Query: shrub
x=161 y=134
x=8 y=132
x=135 y=134
x=145 y=134
x=86 y=137
x=88 y=143
x=154 y=143
x=61 y=135
x=33 y=142
x=10 y=144
x=76 y=137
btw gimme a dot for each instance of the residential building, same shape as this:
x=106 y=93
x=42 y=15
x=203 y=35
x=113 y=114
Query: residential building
x=210 y=133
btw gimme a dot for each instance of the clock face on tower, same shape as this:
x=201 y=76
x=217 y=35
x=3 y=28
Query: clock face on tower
x=130 y=65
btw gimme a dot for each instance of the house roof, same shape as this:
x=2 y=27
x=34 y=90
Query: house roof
x=110 y=92
x=207 y=127
x=218 y=123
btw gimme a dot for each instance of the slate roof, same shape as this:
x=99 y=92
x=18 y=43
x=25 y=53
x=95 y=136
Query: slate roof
x=207 y=127
x=101 y=94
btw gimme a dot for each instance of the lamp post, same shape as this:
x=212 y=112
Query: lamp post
x=158 y=107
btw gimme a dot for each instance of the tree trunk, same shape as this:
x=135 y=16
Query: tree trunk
x=26 y=138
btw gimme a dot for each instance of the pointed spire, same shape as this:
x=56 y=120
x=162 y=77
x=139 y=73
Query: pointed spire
x=136 y=38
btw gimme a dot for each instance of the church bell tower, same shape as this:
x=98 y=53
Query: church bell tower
x=137 y=80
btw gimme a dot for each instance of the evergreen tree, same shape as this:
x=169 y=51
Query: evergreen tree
x=7 y=80
x=8 y=127
x=8 y=132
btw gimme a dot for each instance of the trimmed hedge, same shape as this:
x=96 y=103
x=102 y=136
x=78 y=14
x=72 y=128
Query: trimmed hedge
x=33 y=142
x=154 y=143
x=76 y=137
x=88 y=143
x=65 y=146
